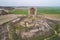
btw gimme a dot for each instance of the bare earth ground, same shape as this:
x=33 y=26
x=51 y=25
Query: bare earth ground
x=52 y=16
x=6 y=18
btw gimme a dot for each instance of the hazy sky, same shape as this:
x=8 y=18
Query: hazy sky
x=29 y=2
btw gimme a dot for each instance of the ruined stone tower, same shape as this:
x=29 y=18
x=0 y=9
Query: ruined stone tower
x=32 y=12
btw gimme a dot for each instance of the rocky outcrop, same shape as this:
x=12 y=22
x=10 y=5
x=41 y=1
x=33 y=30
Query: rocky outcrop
x=30 y=28
x=2 y=12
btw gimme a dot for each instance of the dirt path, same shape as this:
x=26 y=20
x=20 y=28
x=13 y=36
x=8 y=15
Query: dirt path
x=6 y=18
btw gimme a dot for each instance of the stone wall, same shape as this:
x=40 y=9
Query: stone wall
x=3 y=32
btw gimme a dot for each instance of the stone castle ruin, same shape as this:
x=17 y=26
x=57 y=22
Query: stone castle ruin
x=28 y=27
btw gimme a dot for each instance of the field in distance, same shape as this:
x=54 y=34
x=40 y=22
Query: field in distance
x=42 y=10
x=51 y=12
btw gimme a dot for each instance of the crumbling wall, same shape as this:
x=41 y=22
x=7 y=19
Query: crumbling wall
x=2 y=12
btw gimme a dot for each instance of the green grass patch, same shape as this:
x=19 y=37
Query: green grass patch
x=48 y=11
x=19 y=12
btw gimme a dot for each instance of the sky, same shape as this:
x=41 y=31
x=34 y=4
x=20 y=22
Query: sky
x=29 y=2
